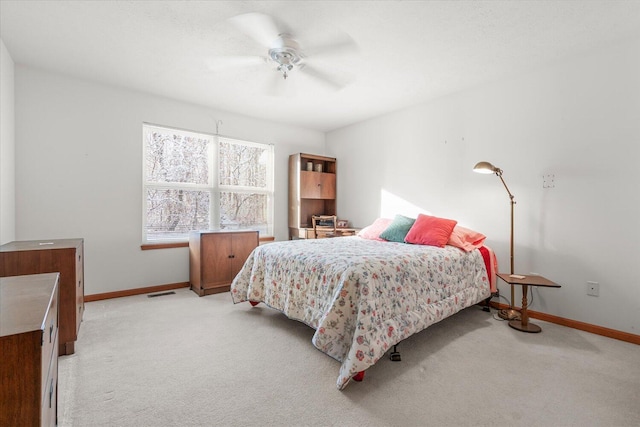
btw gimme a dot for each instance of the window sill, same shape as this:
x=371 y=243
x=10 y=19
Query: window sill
x=151 y=246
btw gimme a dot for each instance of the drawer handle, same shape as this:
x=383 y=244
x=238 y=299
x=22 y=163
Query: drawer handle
x=50 y=331
x=51 y=394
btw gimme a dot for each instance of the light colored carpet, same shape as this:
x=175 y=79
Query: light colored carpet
x=182 y=360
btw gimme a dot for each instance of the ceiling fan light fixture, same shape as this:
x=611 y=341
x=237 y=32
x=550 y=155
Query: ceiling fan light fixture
x=286 y=53
x=284 y=69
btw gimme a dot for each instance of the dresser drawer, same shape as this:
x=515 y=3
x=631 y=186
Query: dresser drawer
x=50 y=335
x=79 y=287
x=49 y=408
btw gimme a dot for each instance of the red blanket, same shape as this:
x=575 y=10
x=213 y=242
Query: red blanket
x=491 y=264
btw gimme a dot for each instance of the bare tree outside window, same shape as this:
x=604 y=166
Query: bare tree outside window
x=181 y=194
x=173 y=212
x=243 y=170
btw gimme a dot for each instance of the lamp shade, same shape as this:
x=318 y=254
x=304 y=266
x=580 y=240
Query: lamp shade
x=485 y=167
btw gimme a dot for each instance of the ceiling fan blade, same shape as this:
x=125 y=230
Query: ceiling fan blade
x=325 y=78
x=338 y=45
x=260 y=27
x=221 y=63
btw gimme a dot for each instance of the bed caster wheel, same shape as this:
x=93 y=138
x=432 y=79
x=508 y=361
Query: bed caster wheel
x=359 y=376
x=395 y=354
x=253 y=303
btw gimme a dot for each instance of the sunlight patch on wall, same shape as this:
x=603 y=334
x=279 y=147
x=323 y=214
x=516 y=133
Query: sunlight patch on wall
x=390 y=205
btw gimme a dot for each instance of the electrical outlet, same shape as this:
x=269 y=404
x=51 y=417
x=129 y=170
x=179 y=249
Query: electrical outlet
x=548 y=180
x=593 y=289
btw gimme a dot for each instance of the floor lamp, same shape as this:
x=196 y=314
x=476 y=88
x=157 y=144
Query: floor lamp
x=487 y=168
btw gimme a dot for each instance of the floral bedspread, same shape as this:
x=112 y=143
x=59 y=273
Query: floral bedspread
x=361 y=296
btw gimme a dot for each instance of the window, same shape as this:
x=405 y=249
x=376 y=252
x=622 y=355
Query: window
x=196 y=181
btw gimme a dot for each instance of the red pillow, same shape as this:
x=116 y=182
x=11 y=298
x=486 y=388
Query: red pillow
x=430 y=230
x=466 y=239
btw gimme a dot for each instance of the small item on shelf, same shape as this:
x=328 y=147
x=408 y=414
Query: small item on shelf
x=310 y=166
x=517 y=276
x=343 y=223
x=318 y=167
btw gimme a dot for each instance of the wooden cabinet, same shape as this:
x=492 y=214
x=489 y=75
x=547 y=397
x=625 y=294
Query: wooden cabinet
x=312 y=190
x=315 y=185
x=215 y=257
x=29 y=348
x=64 y=256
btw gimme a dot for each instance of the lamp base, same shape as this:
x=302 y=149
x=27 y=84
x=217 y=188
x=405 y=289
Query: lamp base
x=509 y=314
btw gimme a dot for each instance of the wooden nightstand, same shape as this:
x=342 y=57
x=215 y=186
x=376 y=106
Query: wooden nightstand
x=215 y=257
x=526 y=281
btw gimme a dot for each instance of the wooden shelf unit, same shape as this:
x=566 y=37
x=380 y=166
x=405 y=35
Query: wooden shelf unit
x=310 y=192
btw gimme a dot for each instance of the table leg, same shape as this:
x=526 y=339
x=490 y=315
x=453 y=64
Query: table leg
x=525 y=304
x=523 y=324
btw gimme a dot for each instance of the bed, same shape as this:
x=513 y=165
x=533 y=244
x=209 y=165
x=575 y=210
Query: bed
x=363 y=296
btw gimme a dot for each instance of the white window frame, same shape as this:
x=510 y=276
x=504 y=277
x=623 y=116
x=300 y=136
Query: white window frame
x=213 y=185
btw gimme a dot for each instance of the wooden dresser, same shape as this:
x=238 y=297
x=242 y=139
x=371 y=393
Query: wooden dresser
x=215 y=257
x=28 y=345
x=64 y=256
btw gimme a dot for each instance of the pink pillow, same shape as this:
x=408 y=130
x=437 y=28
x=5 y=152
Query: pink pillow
x=374 y=230
x=430 y=230
x=466 y=239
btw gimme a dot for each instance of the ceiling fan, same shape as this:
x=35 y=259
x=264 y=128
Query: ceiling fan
x=284 y=53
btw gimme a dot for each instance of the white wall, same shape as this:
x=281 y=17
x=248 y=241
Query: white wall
x=579 y=120
x=79 y=171
x=7 y=147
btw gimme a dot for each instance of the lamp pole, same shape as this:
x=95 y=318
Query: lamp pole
x=498 y=172
x=486 y=167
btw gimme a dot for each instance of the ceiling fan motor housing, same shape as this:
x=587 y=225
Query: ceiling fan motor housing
x=285 y=52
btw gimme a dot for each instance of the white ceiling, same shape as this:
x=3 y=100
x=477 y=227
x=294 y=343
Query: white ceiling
x=408 y=51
